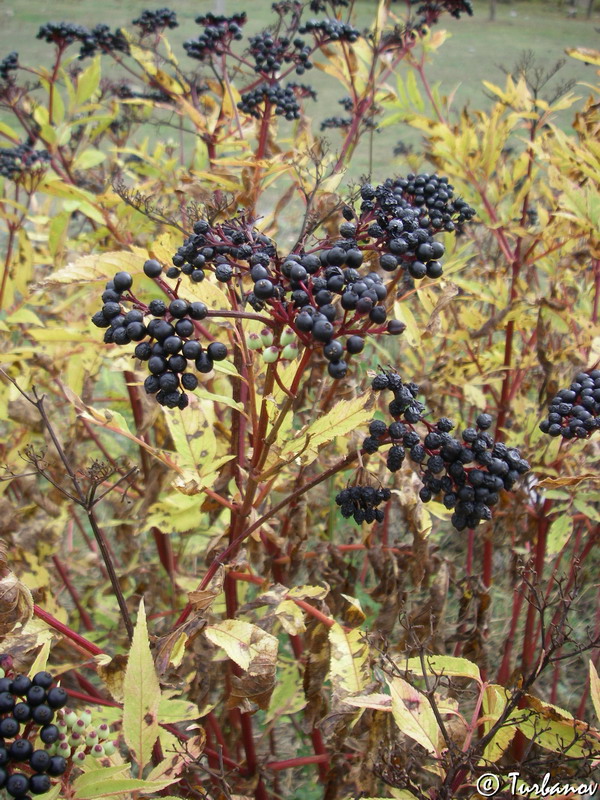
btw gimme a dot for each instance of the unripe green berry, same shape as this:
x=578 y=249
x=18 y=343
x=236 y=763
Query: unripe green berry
x=51 y=749
x=290 y=351
x=92 y=738
x=267 y=337
x=109 y=748
x=79 y=725
x=103 y=730
x=75 y=739
x=270 y=355
x=70 y=718
x=2 y=673
x=79 y=755
x=254 y=341
x=97 y=751
x=287 y=337
x=63 y=749
x=86 y=717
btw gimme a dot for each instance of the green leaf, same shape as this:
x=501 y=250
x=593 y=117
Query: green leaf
x=88 y=81
x=99 y=775
x=445 y=665
x=142 y=695
x=41 y=659
x=112 y=787
x=559 y=534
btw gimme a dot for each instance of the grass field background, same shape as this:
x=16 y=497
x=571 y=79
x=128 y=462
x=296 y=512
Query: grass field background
x=478 y=49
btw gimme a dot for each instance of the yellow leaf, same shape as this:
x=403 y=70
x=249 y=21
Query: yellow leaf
x=595 y=689
x=349 y=664
x=413 y=715
x=344 y=417
x=247 y=645
x=142 y=695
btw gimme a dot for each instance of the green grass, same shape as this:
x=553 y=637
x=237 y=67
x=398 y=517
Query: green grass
x=477 y=50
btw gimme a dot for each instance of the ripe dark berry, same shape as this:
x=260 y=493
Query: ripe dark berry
x=57 y=766
x=9 y=728
x=99 y=320
x=17 y=784
x=184 y=328
x=22 y=712
x=322 y=331
x=334 y=350
x=378 y=428
x=189 y=381
x=152 y=268
x=304 y=322
x=143 y=351
x=42 y=714
x=224 y=273
x=337 y=369
x=122 y=281
x=203 y=363
x=20 y=750
x=191 y=349
x=49 y=735
x=172 y=344
x=178 y=308
x=355 y=344
x=198 y=310
x=264 y=289
x=157 y=308
x=484 y=421
x=216 y=351
x=6 y=685
x=7 y=702
x=157 y=365
x=39 y=784
x=378 y=315
x=39 y=760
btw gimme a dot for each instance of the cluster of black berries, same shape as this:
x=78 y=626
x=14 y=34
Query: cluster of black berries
x=31 y=702
x=432 y=9
x=299 y=289
x=156 y=21
x=9 y=64
x=472 y=491
x=575 y=412
x=403 y=215
x=167 y=342
x=316 y=5
x=219 y=32
x=361 y=503
x=330 y=30
x=281 y=99
x=335 y=122
x=14 y=161
x=100 y=38
x=125 y=92
x=271 y=53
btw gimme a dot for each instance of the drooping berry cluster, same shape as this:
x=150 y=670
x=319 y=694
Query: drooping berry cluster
x=470 y=491
x=15 y=161
x=335 y=122
x=317 y=5
x=403 y=215
x=575 y=412
x=270 y=53
x=282 y=100
x=100 y=38
x=219 y=32
x=27 y=708
x=330 y=30
x=167 y=342
x=156 y=21
x=360 y=502
x=432 y=9
x=9 y=64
